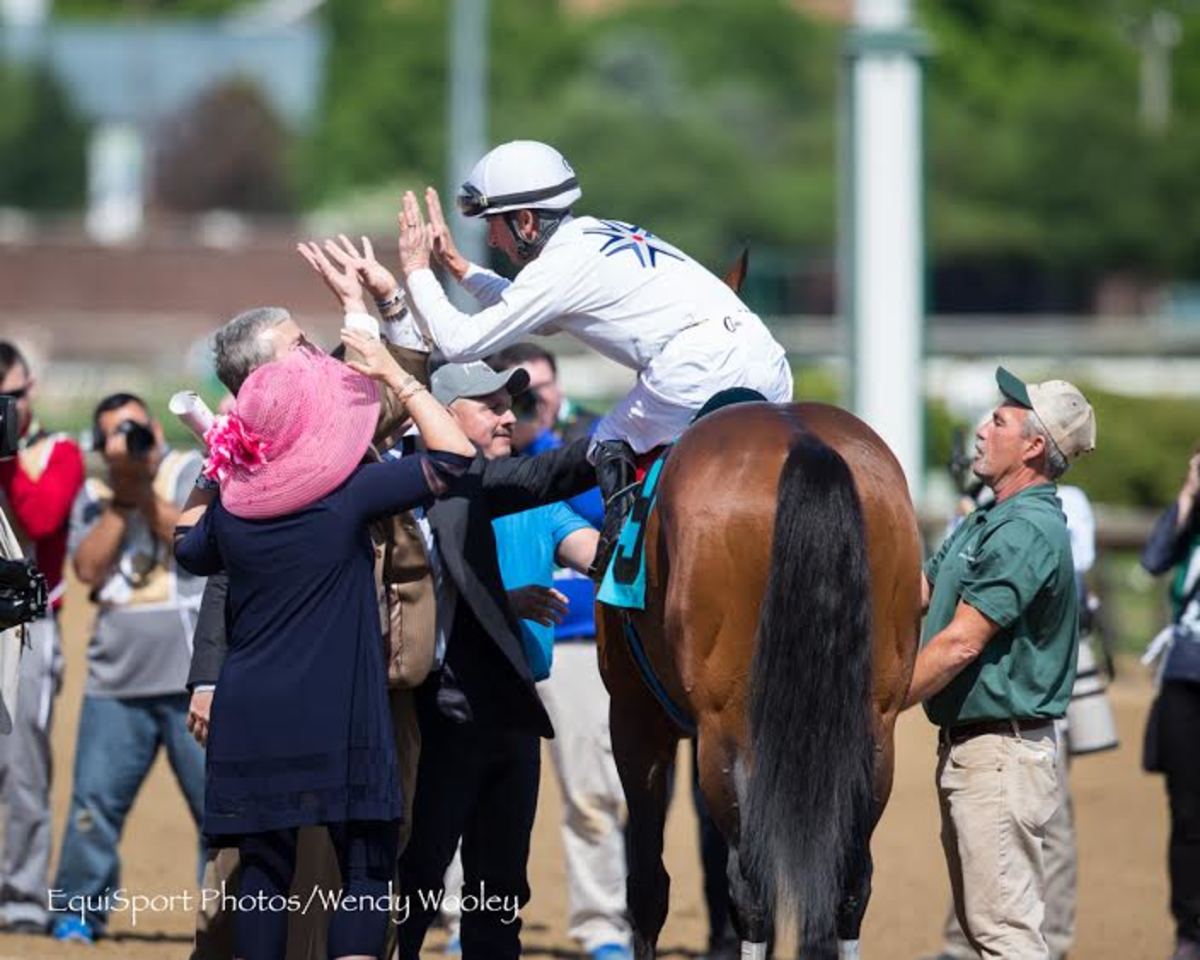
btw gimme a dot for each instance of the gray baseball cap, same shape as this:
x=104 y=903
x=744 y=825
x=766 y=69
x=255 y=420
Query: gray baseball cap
x=1061 y=407
x=451 y=381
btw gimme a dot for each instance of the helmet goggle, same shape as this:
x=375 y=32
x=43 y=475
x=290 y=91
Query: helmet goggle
x=472 y=202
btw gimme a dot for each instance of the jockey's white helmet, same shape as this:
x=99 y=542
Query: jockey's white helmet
x=519 y=175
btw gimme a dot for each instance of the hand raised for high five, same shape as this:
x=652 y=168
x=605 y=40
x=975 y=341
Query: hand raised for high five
x=378 y=279
x=342 y=280
x=416 y=237
x=444 y=249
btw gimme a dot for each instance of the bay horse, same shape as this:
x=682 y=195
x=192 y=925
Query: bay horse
x=781 y=622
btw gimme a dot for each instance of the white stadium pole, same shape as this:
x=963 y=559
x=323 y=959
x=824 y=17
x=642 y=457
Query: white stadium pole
x=467 y=123
x=882 y=227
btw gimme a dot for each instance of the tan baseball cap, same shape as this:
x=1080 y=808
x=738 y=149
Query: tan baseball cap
x=1062 y=408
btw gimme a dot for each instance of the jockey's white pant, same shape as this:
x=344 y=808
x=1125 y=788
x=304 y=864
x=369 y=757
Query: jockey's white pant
x=735 y=351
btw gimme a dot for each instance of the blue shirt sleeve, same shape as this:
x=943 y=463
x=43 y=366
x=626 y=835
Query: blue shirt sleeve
x=1167 y=546
x=563 y=522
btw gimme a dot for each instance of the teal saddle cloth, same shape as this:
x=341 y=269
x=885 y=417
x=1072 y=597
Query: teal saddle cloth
x=624 y=583
x=625 y=580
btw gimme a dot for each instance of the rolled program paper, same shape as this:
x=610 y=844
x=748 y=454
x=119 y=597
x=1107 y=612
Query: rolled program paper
x=193 y=411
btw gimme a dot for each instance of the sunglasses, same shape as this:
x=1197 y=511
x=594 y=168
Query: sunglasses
x=471 y=202
x=19 y=394
x=524 y=405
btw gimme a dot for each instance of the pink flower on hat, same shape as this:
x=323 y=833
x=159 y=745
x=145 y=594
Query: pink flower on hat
x=231 y=445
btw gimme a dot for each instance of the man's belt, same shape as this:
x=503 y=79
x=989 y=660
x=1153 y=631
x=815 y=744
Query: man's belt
x=949 y=736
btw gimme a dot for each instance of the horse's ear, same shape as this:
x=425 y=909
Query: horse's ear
x=735 y=276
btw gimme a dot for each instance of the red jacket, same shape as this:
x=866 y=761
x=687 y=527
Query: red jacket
x=39 y=486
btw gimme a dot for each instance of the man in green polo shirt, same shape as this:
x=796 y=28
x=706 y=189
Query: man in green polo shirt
x=997 y=663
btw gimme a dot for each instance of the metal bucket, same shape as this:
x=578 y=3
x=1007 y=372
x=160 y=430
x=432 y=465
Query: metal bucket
x=1090 y=724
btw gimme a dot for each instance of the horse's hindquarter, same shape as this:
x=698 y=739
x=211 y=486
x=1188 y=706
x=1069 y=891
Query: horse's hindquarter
x=710 y=550
x=709 y=545
x=893 y=548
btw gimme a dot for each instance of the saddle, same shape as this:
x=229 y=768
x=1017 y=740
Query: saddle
x=624 y=583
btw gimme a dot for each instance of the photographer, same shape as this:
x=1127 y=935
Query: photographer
x=134 y=700
x=37 y=486
x=1174 y=726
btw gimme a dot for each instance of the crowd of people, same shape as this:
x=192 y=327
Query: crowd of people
x=352 y=622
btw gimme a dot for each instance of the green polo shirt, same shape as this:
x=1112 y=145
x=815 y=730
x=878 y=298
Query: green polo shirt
x=1011 y=561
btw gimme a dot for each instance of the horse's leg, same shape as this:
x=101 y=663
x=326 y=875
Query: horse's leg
x=842 y=943
x=645 y=754
x=856 y=883
x=748 y=900
x=644 y=748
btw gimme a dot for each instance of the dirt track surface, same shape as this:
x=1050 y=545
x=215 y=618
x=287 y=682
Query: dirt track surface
x=1121 y=818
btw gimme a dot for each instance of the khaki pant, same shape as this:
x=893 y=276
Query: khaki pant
x=998 y=793
x=593 y=801
x=1059 y=863
x=316 y=865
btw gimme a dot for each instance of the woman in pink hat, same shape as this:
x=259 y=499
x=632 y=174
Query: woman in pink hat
x=300 y=731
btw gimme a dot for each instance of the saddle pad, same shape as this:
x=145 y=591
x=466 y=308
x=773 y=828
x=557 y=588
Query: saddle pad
x=624 y=582
x=625 y=579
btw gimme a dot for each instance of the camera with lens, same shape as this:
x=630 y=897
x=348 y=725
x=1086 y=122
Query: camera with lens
x=9 y=428
x=962 y=458
x=23 y=593
x=139 y=439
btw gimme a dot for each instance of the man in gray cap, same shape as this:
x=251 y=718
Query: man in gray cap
x=998 y=661
x=479 y=713
x=481 y=401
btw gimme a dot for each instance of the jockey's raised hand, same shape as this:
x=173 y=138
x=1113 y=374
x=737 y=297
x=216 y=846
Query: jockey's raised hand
x=631 y=295
x=415 y=237
x=444 y=249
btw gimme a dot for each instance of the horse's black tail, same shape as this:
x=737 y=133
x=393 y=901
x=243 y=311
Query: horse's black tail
x=809 y=784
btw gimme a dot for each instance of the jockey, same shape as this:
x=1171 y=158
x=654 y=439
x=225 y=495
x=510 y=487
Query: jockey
x=617 y=287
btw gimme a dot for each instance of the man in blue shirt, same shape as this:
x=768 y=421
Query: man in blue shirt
x=574 y=693
x=528 y=545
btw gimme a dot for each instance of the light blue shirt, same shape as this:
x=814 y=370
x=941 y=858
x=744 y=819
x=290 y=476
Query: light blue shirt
x=526 y=544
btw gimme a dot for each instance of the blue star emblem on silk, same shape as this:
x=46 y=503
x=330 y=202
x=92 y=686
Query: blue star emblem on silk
x=626 y=236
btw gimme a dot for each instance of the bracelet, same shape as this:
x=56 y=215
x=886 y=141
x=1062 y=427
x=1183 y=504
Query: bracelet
x=411 y=391
x=395 y=299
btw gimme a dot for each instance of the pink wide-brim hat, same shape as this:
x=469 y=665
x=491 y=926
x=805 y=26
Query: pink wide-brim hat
x=312 y=420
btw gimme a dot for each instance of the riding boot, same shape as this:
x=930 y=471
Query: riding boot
x=616 y=473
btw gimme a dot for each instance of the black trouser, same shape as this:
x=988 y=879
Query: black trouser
x=366 y=854
x=1179 y=734
x=480 y=784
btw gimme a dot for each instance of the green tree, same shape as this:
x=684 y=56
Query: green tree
x=710 y=122
x=1035 y=145
x=226 y=149
x=42 y=142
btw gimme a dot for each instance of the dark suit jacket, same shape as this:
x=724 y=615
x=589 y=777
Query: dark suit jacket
x=462 y=522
